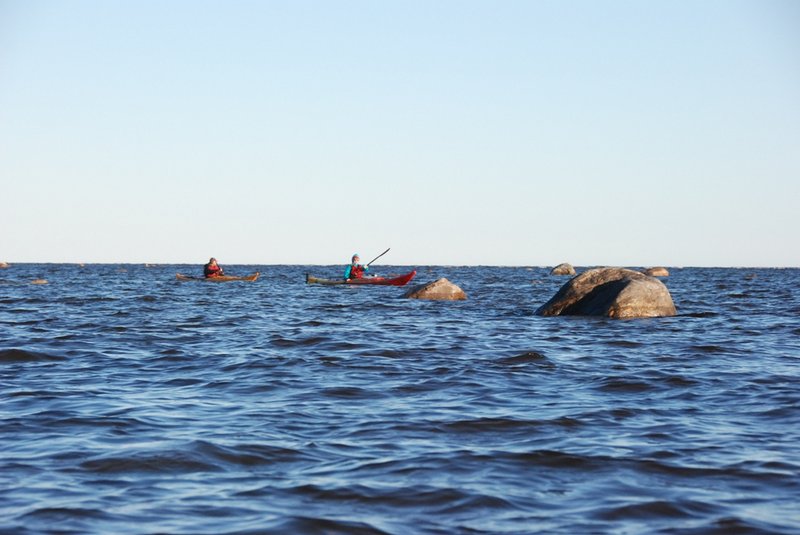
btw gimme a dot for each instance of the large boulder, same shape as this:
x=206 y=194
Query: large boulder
x=656 y=272
x=563 y=269
x=438 y=290
x=611 y=292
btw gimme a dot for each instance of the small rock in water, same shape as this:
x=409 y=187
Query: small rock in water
x=524 y=358
x=438 y=290
x=4 y=265
x=563 y=269
x=39 y=281
x=656 y=272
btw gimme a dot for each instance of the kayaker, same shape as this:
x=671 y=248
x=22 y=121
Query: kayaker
x=212 y=269
x=355 y=270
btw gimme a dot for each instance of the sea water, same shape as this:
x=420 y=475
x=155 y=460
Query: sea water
x=134 y=403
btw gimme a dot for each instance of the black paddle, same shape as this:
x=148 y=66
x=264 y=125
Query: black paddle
x=377 y=257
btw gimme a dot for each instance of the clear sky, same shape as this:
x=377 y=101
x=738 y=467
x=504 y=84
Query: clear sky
x=455 y=132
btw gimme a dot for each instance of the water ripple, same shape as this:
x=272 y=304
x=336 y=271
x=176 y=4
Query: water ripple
x=132 y=403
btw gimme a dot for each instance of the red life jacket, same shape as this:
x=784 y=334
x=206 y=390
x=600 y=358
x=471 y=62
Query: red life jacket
x=357 y=271
x=211 y=270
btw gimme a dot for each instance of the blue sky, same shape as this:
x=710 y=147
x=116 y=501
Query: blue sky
x=455 y=132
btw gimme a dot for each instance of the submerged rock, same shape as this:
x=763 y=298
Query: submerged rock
x=39 y=281
x=563 y=269
x=611 y=292
x=656 y=272
x=438 y=290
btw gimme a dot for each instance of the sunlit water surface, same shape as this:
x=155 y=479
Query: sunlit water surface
x=133 y=403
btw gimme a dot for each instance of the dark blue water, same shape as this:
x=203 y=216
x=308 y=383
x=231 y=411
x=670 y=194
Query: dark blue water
x=132 y=403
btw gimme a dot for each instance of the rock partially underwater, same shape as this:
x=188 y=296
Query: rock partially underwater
x=611 y=292
x=656 y=272
x=563 y=269
x=438 y=290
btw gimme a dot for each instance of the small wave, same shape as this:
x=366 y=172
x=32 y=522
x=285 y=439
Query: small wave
x=392 y=353
x=350 y=392
x=327 y=526
x=22 y=323
x=484 y=425
x=557 y=459
x=657 y=509
x=619 y=384
x=72 y=301
x=679 y=381
x=763 y=472
x=624 y=343
x=22 y=355
x=339 y=346
x=156 y=463
x=249 y=454
x=434 y=499
x=65 y=337
x=481 y=425
x=183 y=381
x=54 y=514
x=289 y=342
x=55 y=419
x=768 y=468
x=709 y=349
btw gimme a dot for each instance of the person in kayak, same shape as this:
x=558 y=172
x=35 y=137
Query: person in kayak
x=212 y=269
x=355 y=270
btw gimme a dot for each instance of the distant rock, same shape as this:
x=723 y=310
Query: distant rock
x=563 y=269
x=439 y=290
x=611 y=292
x=4 y=265
x=656 y=272
x=39 y=281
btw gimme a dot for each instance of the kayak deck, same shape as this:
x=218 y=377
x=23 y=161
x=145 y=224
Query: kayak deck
x=220 y=278
x=400 y=280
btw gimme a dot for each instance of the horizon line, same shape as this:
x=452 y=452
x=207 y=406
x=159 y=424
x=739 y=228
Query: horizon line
x=542 y=266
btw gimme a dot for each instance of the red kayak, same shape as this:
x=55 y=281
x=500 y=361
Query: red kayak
x=401 y=280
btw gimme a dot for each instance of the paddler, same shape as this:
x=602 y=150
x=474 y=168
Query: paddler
x=212 y=269
x=355 y=270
